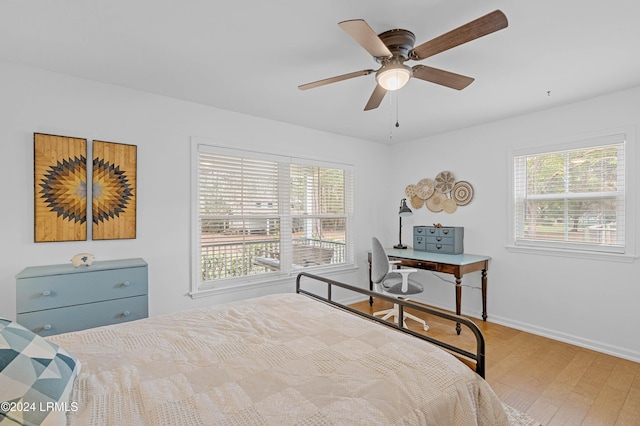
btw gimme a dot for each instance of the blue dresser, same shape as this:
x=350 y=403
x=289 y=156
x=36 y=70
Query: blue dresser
x=57 y=299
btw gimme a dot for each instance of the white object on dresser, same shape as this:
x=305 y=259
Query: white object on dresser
x=57 y=299
x=84 y=259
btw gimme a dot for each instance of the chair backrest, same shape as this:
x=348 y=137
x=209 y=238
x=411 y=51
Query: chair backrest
x=379 y=261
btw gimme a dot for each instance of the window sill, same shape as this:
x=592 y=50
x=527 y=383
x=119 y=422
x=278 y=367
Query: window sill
x=590 y=255
x=272 y=281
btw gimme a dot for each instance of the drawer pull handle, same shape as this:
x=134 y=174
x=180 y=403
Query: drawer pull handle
x=438 y=238
x=126 y=284
x=46 y=293
x=47 y=327
x=445 y=231
x=126 y=313
x=438 y=246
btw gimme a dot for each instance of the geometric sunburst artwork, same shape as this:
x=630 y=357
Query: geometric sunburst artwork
x=60 y=188
x=113 y=191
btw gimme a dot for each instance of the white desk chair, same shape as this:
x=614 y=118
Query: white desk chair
x=394 y=282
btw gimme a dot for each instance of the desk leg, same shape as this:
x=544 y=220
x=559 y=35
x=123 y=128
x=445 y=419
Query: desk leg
x=370 y=286
x=484 y=294
x=458 y=301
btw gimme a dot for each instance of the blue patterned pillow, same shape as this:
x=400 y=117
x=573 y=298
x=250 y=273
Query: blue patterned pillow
x=36 y=377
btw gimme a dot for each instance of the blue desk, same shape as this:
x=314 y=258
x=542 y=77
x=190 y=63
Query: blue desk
x=454 y=264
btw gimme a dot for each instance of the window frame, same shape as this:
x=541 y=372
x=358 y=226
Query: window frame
x=200 y=287
x=627 y=252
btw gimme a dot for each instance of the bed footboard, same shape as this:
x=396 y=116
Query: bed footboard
x=478 y=357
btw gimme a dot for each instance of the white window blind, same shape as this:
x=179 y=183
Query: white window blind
x=261 y=216
x=572 y=198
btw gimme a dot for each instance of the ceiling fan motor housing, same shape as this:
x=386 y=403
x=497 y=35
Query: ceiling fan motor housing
x=399 y=42
x=394 y=74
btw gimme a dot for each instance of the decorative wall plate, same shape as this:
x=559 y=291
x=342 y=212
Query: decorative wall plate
x=425 y=188
x=410 y=190
x=445 y=182
x=462 y=193
x=416 y=202
x=449 y=205
x=434 y=203
x=440 y=194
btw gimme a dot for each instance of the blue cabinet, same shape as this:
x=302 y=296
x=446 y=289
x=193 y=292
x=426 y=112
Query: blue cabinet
x=445 y=239
x=57 y=299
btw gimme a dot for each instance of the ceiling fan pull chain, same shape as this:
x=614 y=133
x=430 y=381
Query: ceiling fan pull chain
x=397 y=109
x=391 y=95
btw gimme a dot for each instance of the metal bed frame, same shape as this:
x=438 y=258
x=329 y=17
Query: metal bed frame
x=478 y=357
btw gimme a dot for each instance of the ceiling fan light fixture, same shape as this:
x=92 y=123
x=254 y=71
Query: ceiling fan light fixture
x=393 y=76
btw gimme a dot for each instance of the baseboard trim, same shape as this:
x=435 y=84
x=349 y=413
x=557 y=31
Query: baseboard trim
x=613 y=350
x=616 y=351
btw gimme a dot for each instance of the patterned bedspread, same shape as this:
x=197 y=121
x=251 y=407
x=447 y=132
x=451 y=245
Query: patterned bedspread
x=281 y=360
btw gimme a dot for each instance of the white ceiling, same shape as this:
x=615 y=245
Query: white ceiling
x=250 y=56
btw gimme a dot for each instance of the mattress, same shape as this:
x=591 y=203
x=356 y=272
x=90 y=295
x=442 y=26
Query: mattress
x=280 y=359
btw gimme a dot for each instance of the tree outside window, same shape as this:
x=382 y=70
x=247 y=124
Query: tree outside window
x=574 y=197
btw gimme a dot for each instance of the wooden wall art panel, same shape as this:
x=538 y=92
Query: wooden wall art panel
x=114 y=191
x=60 y=188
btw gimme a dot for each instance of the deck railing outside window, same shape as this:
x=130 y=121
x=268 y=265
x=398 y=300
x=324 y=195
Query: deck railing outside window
x=227 y=260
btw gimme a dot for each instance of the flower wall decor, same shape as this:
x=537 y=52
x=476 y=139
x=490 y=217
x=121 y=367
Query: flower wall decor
x=114 y=191
x=443 y=193
x=61 y=193
x=60 y=188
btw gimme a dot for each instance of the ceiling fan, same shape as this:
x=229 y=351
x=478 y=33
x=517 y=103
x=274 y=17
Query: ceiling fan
x=393 y=48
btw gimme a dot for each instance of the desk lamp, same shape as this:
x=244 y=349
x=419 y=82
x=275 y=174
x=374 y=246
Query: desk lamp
x=405 y=211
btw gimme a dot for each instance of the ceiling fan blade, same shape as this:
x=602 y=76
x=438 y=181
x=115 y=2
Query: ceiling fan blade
x=480 y=27
x=376 y=98
x=361 y=32
x=334 y=79
x=441 y=77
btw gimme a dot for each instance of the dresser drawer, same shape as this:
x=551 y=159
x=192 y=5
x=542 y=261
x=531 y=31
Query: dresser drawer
x=420 y=264
x=443 y=231
x=441 y=248
x=437 y=239
x=74 y=318
x=38 y=293
x=419 y=242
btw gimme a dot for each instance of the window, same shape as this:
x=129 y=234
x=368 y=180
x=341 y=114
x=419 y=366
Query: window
x=259 y=217
x=572 y=197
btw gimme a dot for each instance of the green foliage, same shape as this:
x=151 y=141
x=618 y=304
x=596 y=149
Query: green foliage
x=228 y=264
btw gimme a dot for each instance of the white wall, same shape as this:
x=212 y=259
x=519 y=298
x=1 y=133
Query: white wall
x=593 y=303
x=38 y=101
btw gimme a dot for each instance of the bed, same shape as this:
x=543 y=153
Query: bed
x=280 y=359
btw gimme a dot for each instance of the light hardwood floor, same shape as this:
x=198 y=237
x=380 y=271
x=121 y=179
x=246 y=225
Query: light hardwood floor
x=554 y=382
